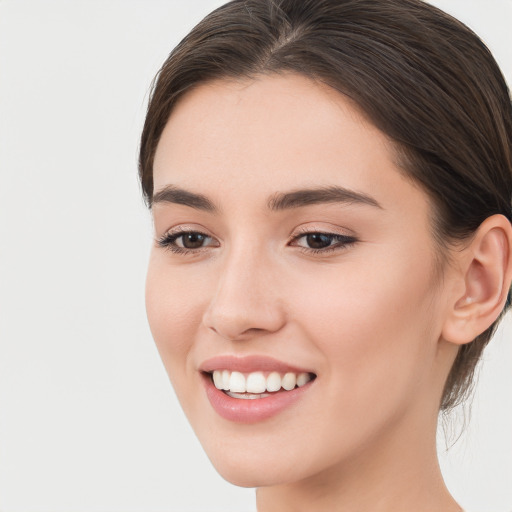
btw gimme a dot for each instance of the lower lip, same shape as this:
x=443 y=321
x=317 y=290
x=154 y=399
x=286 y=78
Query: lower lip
x=242 y=410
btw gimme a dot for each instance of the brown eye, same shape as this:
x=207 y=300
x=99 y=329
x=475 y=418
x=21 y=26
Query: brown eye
x=192 y=240
x=186 y=241
x=318 y=240
x=322 y=243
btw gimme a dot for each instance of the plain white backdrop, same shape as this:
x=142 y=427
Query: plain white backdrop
x=88 y=420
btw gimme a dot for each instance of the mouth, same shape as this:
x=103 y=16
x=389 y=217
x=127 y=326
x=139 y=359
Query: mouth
x=252 y=389
x=258 y=384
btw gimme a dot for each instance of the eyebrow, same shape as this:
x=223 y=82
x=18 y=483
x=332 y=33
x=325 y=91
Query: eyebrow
x=306 y=197
x=176 y=195
x=277 y=202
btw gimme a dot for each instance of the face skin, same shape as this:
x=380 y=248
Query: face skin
x=365 y=316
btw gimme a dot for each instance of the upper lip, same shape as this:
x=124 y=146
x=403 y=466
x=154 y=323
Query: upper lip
x=248 y=364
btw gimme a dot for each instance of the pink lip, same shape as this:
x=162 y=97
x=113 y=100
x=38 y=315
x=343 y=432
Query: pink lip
x=250 y=411
x=248 y=364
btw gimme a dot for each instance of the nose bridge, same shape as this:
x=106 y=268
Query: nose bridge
x=245 y=302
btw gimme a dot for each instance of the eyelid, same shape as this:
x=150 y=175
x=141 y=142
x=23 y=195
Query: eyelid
x=329 y=229
x=186 y=228
x=324 y=229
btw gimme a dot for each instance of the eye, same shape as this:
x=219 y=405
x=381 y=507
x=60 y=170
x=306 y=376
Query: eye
x=318 y=242
x=191 y=240
x=186 y=241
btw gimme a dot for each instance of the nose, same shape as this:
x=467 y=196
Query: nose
x=245 y=302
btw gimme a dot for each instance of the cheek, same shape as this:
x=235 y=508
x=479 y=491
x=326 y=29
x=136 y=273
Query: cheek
x=174 y=310
x=375 y=326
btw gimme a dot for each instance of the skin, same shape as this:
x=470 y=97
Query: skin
x=368 y=318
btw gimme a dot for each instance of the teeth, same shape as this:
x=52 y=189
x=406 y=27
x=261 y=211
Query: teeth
x=217 y=380
x=255 y=384
x=246 y=396
x=303 y=378
x=237 y=383
x=289 y=381
x=274 y=382
x=225 y=380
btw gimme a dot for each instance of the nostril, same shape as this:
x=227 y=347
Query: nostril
x=232 y=333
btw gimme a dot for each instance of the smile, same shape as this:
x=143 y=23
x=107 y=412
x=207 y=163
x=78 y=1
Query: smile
x=257 y=384
x=254 y=388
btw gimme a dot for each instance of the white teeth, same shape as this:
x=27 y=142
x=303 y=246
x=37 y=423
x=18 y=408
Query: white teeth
x=303 y=378
x=274 y=382
x=217 y=379
x=247 y=396
x=237 y=383
x=255 y=384
x=225 y=380
x=289 y=381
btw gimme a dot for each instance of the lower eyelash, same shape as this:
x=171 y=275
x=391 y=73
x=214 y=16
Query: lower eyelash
x=175 y=249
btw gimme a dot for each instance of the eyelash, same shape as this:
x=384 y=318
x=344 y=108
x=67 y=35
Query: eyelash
x=168 y=241
x=340 y=242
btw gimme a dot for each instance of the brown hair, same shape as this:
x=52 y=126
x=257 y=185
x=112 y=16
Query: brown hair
x=421 y=76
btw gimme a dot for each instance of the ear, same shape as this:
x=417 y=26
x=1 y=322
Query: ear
x=484 y=278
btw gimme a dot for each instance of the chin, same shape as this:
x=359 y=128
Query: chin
x=244 y=467
x=266 y=459
x=248 y=474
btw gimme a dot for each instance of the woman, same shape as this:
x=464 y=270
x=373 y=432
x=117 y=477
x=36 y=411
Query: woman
x=331 y=186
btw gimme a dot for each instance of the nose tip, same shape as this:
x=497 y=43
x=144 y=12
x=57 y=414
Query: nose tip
x=235 y=320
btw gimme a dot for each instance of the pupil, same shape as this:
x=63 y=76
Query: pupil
x=318 y=240
x=193 y=240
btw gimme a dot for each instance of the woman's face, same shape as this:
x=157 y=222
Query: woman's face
x=288 y=242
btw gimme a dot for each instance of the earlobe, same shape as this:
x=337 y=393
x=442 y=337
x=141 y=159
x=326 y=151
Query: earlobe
x=486 y=272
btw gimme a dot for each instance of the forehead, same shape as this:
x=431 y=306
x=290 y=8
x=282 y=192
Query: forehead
x=273 y=133
x=265 y=113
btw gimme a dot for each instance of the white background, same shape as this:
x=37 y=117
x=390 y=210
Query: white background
x=88 y=421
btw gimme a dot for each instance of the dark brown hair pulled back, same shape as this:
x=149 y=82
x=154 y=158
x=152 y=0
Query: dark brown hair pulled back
x=422 y=77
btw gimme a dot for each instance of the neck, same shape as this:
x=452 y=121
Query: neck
x=399 y=472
